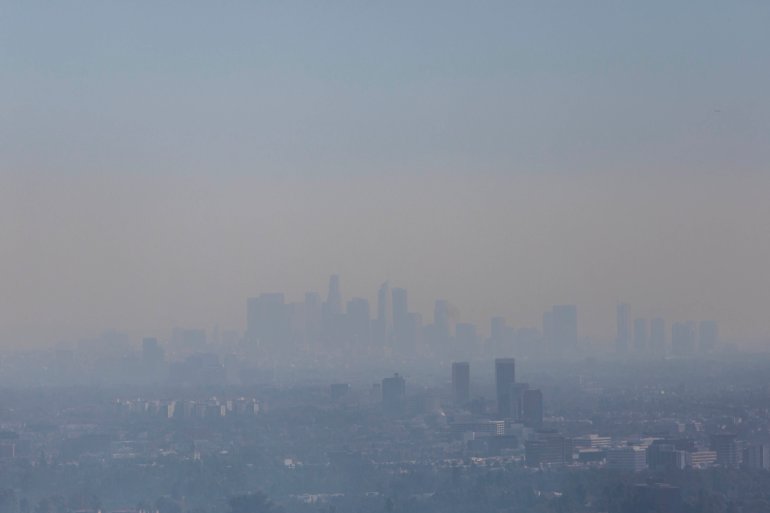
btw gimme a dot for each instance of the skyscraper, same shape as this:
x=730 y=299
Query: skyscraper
x=505 y=376
x=532 y=408
x=624 y=327
x=461 y=382
x=333 y=305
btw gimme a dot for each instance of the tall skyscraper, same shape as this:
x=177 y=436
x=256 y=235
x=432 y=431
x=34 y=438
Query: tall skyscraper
x=624 y=327
x=461 y=382
x=505 y=376
x=532 y=408
x=641 y=335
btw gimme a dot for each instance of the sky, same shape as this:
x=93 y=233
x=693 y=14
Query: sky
x=160 y=162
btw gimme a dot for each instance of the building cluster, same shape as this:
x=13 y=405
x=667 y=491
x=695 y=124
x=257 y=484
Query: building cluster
x=649 y=336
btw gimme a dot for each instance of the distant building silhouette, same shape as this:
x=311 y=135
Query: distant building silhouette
x=461 y=382
x=505 y=376
x=532 y=408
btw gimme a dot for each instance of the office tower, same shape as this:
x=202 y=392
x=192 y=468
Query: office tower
x=505 y=376
x=726 y=447
x=683 y=338
x=547 y=448
x=708 y=336
x=641 y=337
x=152 y=352
x=394 y=395
x=359 y=322
x=624 y=327
x=565 y=327
x=268 y=320
x=627 y=459
x=517 y=391
x=461 y=382
x=532 y=408
x=658 y=336
x=757 y=457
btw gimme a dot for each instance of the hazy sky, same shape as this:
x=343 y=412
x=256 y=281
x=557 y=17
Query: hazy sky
x=162 y=161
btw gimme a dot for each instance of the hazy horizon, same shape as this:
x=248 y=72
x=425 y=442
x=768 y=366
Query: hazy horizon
x=160 y=165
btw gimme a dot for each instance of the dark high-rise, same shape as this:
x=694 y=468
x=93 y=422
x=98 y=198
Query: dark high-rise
x=505 y=377
x=461 y=382
x=532 y=408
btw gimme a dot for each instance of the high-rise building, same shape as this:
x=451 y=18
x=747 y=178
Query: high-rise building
x=624 y=327
x=394 y=395
x=757 y=457
x=547 y=448
x=532 y=408
x=641 y=335
x=726 y=447
x=708 y=336
x=658 y=336
x=461 y=382
x=505 y=376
